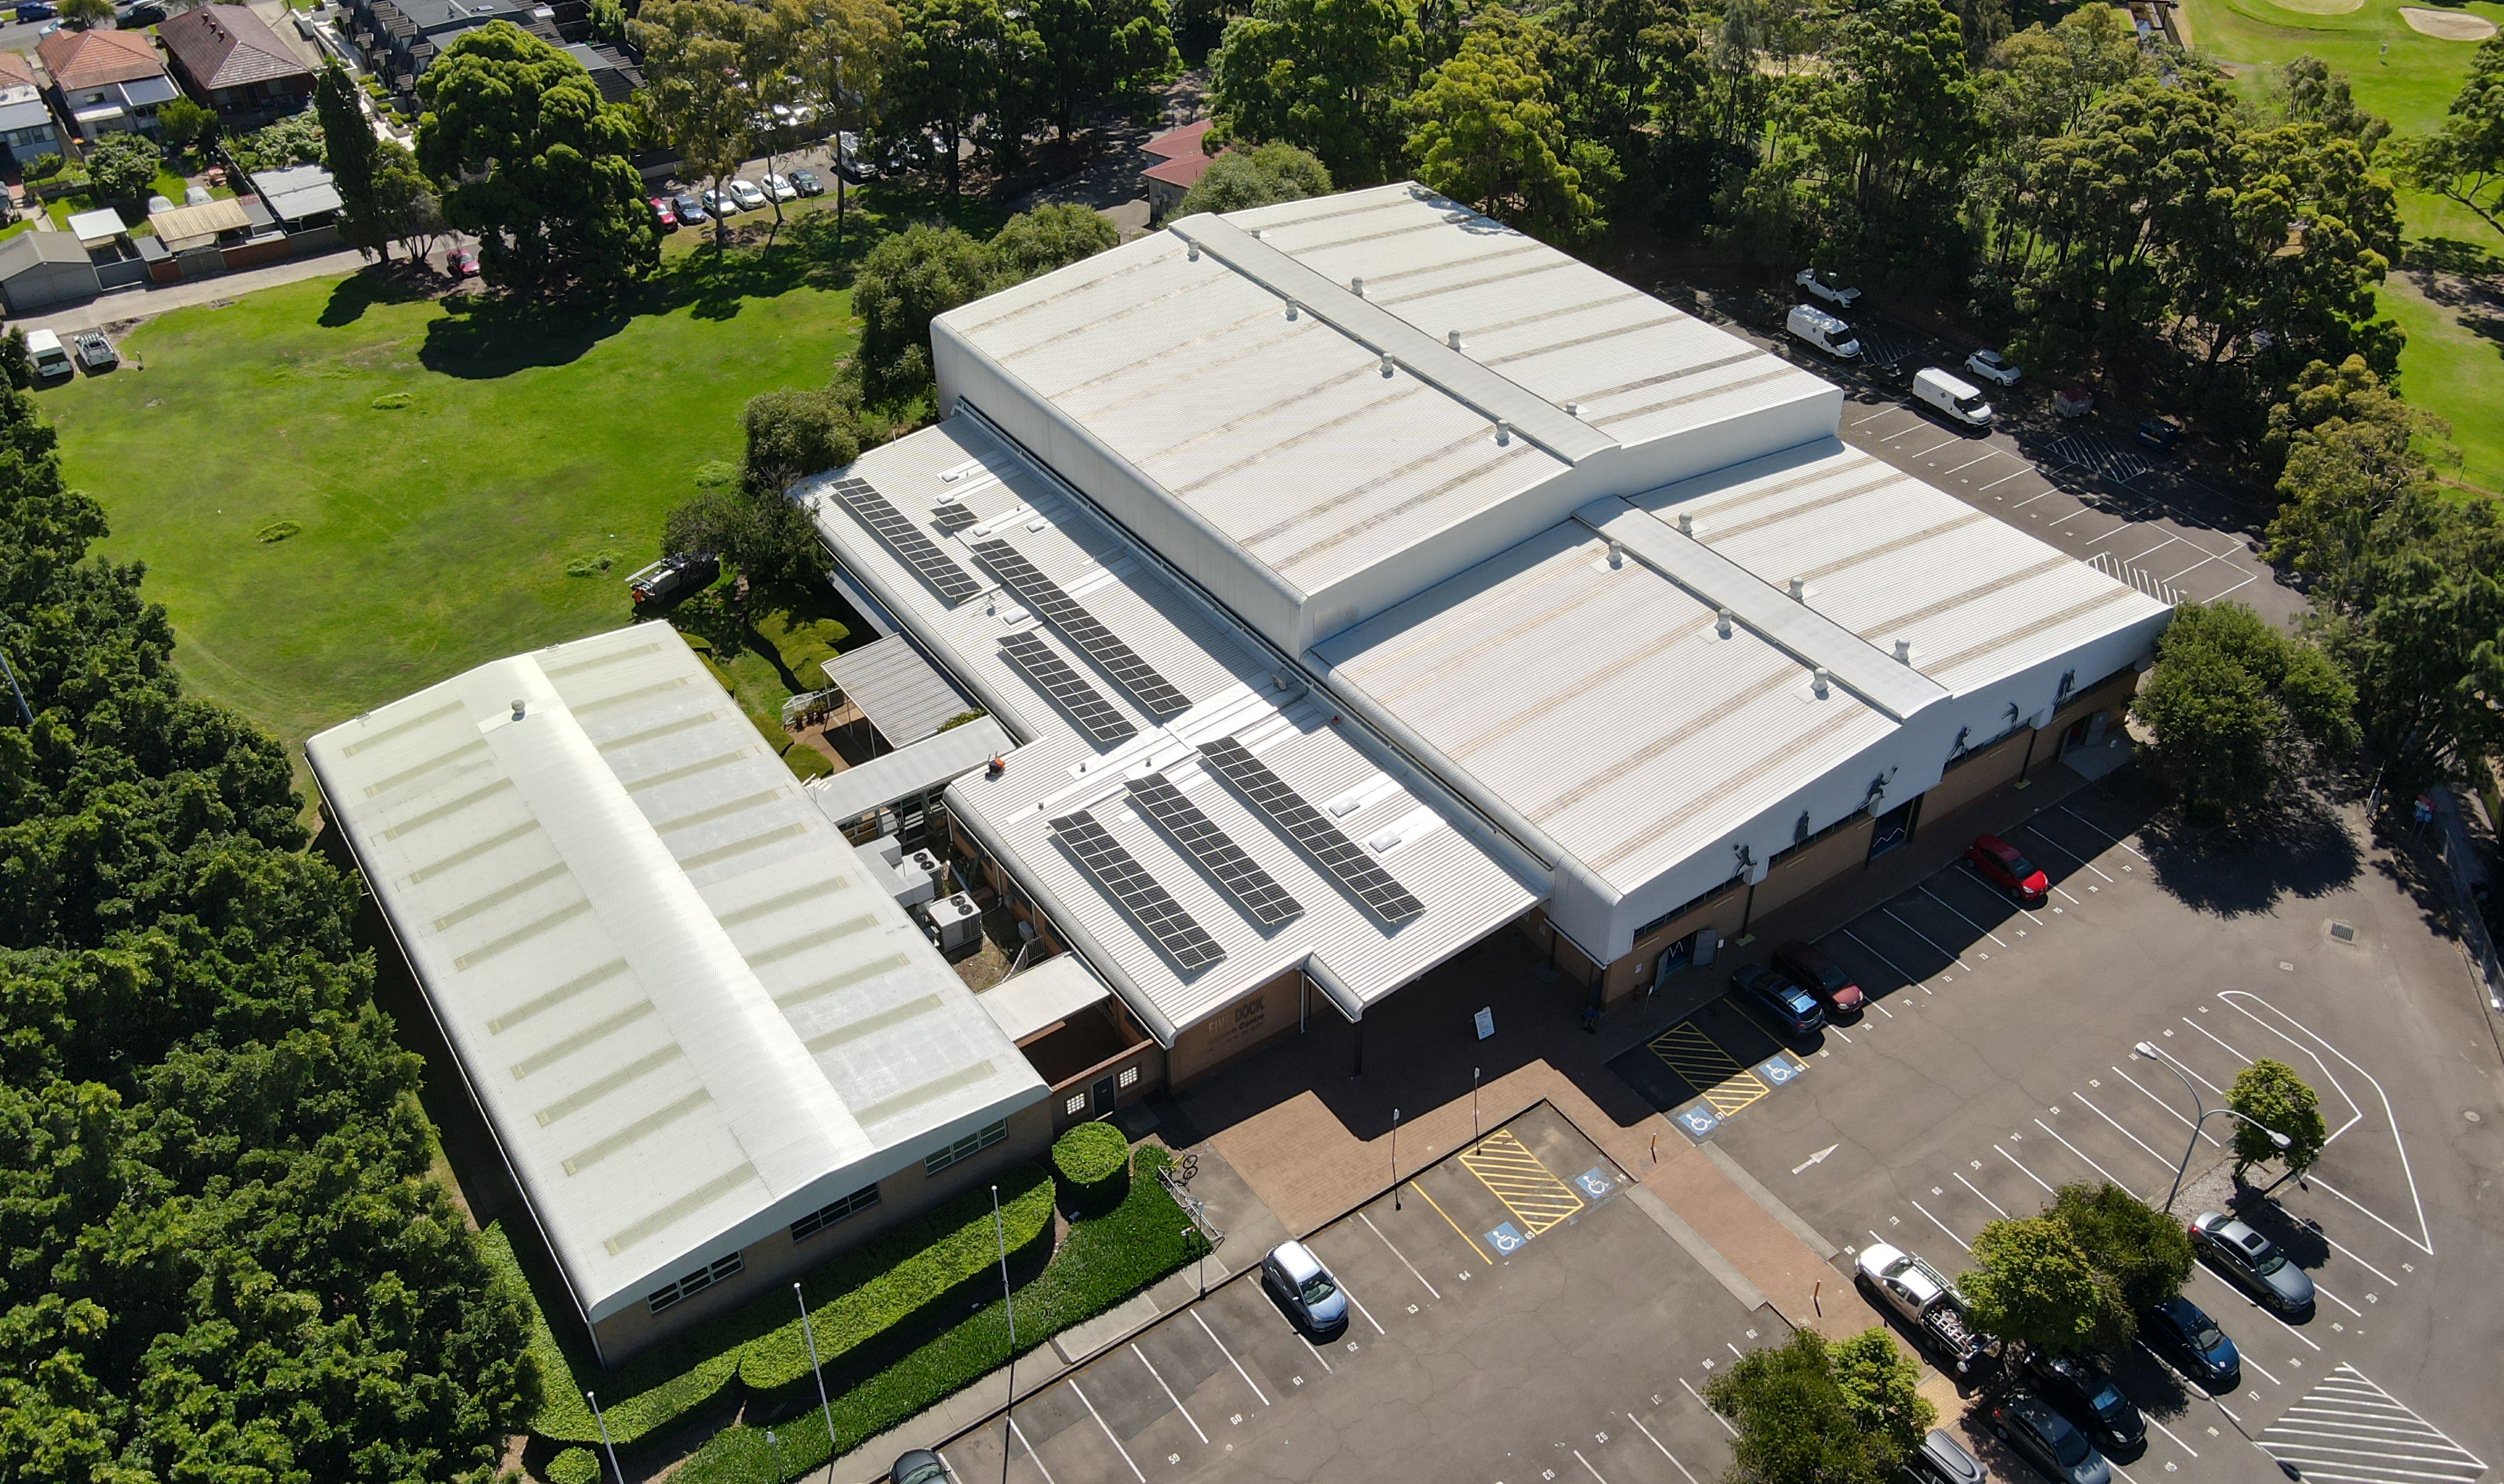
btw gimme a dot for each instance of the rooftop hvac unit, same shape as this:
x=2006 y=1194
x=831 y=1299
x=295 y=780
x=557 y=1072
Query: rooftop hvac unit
x=955 y=921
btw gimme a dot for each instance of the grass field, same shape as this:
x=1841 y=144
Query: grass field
x=442 y=465
x=2450 y=367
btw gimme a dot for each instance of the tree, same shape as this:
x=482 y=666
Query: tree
x=16 y=364
x=2420 y=629
x=697 y=87
x=1626 y=76
x=1241 y=179
x=2031 y=1286
x=1482 y=129
x=1325 y=75
x=2270 y=1094
x=2234 y=705
x=1035 y=242
x=348 y=143
x=839 y=53
x=123 y=165
x=2349 y=461
x=1795 y=1423
x=2311 y=94
x=959 y=61
x=534 y=163
x=85 y=15
x=904 y=281
x=184 y=122
x=1882 y=1386
x=2145 y=1253
x=1100 y=49
x=2464 y=160
x=403 y=203
x=294 y=140
x=791 y=436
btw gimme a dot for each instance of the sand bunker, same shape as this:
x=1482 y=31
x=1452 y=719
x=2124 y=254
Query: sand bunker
x=2449 y=25
x=2320 y=7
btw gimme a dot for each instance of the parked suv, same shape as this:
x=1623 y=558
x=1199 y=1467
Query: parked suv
x=1807 y=966
x=2253 y=1264
x=2046 y=1439
x=1793 y=1007
x=2084 y=1392
x=1827 y=286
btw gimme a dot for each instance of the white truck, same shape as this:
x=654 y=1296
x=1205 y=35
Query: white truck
x=52 y=358
x=1957 y=400
x=1813 y=325
x=1927 y=1301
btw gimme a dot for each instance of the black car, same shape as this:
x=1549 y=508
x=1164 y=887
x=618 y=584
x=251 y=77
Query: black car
x=920 y=1467
x=1793 y=1007
x=2253 y=1264
x=2181 y=1332
x=2084 y=1392
x=95 y=351
x=139 y=15
x=806 y=183
x=2159 y=434
x=2044 y=1438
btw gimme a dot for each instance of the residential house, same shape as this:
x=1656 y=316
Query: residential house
x=105 y=81
x=228 y=58
x=301 y=198
x=399 y=39
x=1181 y=161
x=26 y=126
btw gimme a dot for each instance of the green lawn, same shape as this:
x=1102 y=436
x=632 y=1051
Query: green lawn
x=433 y=536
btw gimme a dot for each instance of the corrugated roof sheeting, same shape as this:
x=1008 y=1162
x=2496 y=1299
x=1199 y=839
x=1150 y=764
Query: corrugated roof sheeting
x=689 y=1012
x=904 y=699
x=1889 y=557
x=1236 y=690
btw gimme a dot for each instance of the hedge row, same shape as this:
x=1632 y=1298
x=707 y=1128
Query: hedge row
x=874 y=1286
x=1091 y=1162
x=1102 y=1262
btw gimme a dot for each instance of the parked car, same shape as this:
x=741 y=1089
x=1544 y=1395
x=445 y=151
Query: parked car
x=1956 y=400
x=1310 y=1294
x=2159 y=434
x=691 y=210
x=919 y=1467
x=1809 y=967
x=1813 y=325
x=464 y=261
x=749 y=195
x=1925 y=1297
x=1992 y=368
x=36 y=10
x=806 y=183
x=2039 y=1433
x=95 y=352
x=2001 y=865
x=666 y=212
x=720 y=203
x=849 y=161
x=2080 y=1388
x=1793 y=1007
x=2253 y=1264
x=780 y=189
x=1942 y=1459
x=138 y=17
x=52 y=358
x=1827 y=286
x=2179 y=1331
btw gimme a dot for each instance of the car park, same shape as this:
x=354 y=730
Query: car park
x=1813 y=325
x=2179 y=1331
x=2003 y=866
x=2252 y=1262
x=1826 y=287
x=1313 y=1296
x=2091 y=1398
x=691 y=210
x=749 y=195
x=1954 y=399
x=1994 y=367
x=95 y=351
x=1793 y=1007
x=51 y=358
x=806 y=183
x=779 y=188
x=1809 y=967
x=2037 y=1433
x=1942 y=1459
x=665 y=211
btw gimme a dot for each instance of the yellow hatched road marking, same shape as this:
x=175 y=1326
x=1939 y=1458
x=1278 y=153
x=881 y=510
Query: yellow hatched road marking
x=1513 y=1175
x=1713 y=1072
x=1448 y=1221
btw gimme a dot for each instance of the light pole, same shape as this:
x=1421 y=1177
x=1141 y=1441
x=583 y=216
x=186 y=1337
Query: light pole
x=1473 y=1105
x=2147 y=1049
x=1395 y=1159
x=823 y=1406
x=1008 y=1303
x=605 y=1445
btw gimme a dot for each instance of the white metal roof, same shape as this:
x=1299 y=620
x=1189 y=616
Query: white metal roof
x=909 y=770
x=904 y=699
x=687 y=1008
x=1468 y=881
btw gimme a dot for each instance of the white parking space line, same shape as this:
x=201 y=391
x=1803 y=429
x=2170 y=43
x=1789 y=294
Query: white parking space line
x=2167 y=1107
x=1985 y=1199
x=2101 y=830
x=1663 y=1447
x=2066 y=850
x=1875 y=416
x=1316 y=1355
x=2212 y=1035
x=1230 y=1358
x=1081 y=1394
x=1586 y=1464
x=1935 y=447
x=2335 y=1298
x=1901 y=432
x=2257 y=1366
x=2030 y=1174
x=2159 y=546
x=1031 y=1457
x=1943 y=1227
x=2170 y=1432
x=2124 y=1132
x=1361 y=1308
x=2082 y=1153
x=1169 y=1391
x=1888 y=962
x=2359 y=1262
x=1970 y=462
x=1397 y=1253
x=2424 y=1242
x=1926 y=938
x=1969 y=922
x=2031 y=499
x=2247 y=581
x=2084 y=508
x=1717 y=1417
x=2004 y=478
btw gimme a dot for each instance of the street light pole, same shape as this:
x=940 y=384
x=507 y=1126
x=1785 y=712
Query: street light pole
x=1008 y=1303
x=605 y=1445
x=823 y=1406
x=1395 y=1159
x=2147 y=1049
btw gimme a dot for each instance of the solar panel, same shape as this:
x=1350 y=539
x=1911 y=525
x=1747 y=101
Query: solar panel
x=951 y=516
x=1303 y=824
x=1063 y=612
x=1252 y=887
x=1128 y=883
x=936 y=566
x=1067 y=688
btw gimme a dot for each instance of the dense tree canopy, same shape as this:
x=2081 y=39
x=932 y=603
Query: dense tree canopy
x=1100 y=49
x=1241 y=179
x=1325 y=75
x=2270 y=1094
x=2236 y=705
x=2464 y=160
x=1832 y=1413
x=2145 y=1253
x=961 y=62
x=2031 y=1285
x=1483 y=129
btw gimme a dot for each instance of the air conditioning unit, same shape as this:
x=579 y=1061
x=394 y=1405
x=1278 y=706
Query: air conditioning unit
x=955 y=921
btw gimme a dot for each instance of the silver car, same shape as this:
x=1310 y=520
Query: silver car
x=2252 y=1262
x=1310 y=1294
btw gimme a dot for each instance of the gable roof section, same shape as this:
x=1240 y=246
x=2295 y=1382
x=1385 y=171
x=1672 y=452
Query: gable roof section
x=79 y=59
x=14 y=71
x=228 y=46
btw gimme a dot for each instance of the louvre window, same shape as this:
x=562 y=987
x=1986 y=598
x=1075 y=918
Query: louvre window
x=827 y=1215
x=966 y=1148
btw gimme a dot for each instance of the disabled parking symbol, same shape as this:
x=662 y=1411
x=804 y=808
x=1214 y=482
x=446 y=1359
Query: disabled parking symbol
x=1594 y=1183
x=1696 y=1120
x=1779 y=1069
x=1506 y=1239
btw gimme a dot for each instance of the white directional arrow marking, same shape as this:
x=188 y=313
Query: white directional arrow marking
x=1816 y=1158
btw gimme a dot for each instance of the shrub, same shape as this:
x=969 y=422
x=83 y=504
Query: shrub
x=44 y=167
x=575 y=1465
x=806 y=762
x=1092 y=1164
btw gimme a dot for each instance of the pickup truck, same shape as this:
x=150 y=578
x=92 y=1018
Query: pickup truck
x=1927 y=1301
x=674 y=577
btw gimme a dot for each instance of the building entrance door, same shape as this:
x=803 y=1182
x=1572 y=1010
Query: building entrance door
x=1099 y=1097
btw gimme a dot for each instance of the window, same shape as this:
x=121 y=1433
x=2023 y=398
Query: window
x=1075 y=1106
x=694 y=1283
x=1129 y=1077
x=966 y=1148
x=1687 y=906
x=826 y=1216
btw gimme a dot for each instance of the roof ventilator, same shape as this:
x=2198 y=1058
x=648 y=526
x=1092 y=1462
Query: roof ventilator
x=1904 y=651
x=1722 y=625
x=517 y=710
x=1818 y=678
x=1617 y=553
x=1292 y=307
x=1194 y=253
x=1686 y=525
x=1574 y=410
x=1453 y=339
x=1386 y=364
x=1799 y=590
x=1502 y=432
x=1356 y=286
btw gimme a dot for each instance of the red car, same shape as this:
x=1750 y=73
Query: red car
x=664 y=213
x=464 y=261
x=1806 y=966
x=2005 y=868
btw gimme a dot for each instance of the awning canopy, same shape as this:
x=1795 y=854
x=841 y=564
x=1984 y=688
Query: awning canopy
x=189 y=226
x=910 y=770
x=1043 y=996
x=100 y=225
x=901 y=693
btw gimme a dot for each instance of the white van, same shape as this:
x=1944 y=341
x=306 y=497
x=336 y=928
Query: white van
x=1824 y=330
x=51 y=358
x=1957 y=400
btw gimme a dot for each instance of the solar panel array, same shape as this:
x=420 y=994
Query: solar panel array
x=1128 y=883
x=1255 y=889
x=1303 y=824
x=1067 y=688
x=1063 y=612
x=936 y=566
x=951 y=515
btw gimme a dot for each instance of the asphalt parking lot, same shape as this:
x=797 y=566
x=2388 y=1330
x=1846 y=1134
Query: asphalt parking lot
x=1519 y=1314
x=1995 y=1064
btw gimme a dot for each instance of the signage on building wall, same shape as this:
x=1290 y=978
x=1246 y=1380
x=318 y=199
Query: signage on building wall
x=1485 y=1019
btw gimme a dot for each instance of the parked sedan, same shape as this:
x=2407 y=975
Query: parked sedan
x=1808 y=967
x=2003 y=866
x=1310 y=1294
x=749 y=195
x=2253 y=1264
x=1992 y=368
x=1827 y=286
x=806 y=183
x=2046 y=1439
x=2159 y=434
x=720 y=203
x=780 y=189
x=2182 y=1332
x=666 y=212
x=1793 y=1007
x=691 y=210
x=95 y=351
x=2084 y=1392
x=464 y=261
